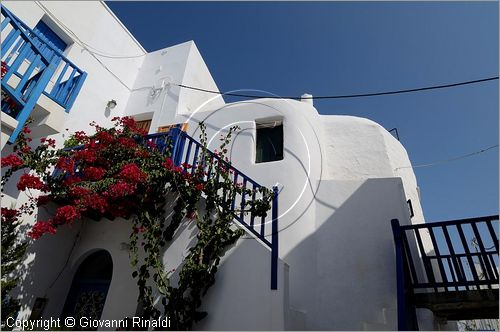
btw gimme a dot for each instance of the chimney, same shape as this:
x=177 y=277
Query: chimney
x=306 y=98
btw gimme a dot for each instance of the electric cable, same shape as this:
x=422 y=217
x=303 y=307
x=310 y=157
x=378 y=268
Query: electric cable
x=450 y=159
x=344 y=96
x=81 y=42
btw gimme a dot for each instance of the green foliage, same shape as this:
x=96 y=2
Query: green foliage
x=216 y=232
x=115 y=173
x=13 y=252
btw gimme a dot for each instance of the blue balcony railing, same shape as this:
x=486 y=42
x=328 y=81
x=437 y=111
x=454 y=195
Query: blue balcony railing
x=459 y=266
x=35 y=67
x=186 y=149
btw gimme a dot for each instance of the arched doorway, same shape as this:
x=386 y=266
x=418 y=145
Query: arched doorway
x=88 y=291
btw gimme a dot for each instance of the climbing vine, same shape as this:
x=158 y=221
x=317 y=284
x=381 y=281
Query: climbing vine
x=117 y=173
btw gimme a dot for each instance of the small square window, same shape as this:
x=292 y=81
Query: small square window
x=269 y=141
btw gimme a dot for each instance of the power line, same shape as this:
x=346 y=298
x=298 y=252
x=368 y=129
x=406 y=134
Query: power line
x=450 y=159
x=344 y=96
x=94 y=50
x=83 y=45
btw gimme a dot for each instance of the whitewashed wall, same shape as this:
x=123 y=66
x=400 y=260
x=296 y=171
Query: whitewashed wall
x=244 y=270
x=155 y=95
x=339 y=189
x=320 y=154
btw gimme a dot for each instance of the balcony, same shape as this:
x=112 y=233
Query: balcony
x=38 y=81
x=457 y=279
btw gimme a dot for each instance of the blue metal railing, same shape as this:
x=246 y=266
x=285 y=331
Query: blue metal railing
x=463 y=256
x=30 y=58
x=186 y=149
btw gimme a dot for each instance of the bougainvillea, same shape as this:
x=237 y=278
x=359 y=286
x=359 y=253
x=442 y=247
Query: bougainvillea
x=116 y=173
x=11 y=160
x=28 y=181
x=12 y=107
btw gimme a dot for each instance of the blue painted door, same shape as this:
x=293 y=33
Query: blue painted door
x=50 y=37
x=47 y=36
x=46 y=40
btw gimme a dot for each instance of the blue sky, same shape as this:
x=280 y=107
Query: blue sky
x=332 y=48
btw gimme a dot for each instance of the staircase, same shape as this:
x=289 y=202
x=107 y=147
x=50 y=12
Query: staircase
x=457 y=279
x=37 y=76
x=185 y=150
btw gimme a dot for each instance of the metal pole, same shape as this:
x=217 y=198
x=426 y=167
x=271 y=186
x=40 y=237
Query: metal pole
x=274 y=241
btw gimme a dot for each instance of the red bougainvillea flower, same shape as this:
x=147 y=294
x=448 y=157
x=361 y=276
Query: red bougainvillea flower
x=86 y=155
x=93 y=201
x=127 y=142
x=4 y=69
x=186 y=176
x=80 y=136
x=78 y=191
x=132 y=173
x=25 y=149
x=43 y=199
x=130 y=124
x=151 y=144
x=26 y=130
x=199 y=187
x=66 y=214
x=30 y=181
x=120 y=189
x=94 y=173
x=121 y=210
x=104 y=137
x=11 y=160
x=168 y=164
x=186 y=165
x=66 y=164
x=142 y=153
x=71 y=180
x=40 y=228
x=9 y=215
x=50 y=142
x=92 y=144
x=139 y=229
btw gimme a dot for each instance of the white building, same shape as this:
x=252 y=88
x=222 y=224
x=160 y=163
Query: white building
x=342 y=179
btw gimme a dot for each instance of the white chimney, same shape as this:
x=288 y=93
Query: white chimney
x=306 y=98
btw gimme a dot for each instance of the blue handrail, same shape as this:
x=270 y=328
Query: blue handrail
x=28 y=56
x=187 y=150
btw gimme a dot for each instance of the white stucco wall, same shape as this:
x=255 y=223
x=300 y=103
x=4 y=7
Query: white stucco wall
x=358 y=148
x=353 y=278
x=245 y=267
x=155 y=95
x=53 y=261
x=340 y=185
